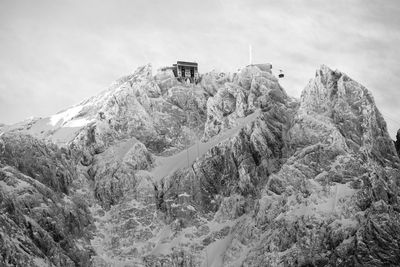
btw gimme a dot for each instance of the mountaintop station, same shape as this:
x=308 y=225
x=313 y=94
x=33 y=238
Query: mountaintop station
x=186 y=71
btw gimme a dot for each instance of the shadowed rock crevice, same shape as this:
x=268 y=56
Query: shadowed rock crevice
x=397 y=143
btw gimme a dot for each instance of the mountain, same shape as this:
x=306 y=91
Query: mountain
x=42 y=223
x=229 y=172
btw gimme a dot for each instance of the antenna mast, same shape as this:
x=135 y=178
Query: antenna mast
x=250 y=55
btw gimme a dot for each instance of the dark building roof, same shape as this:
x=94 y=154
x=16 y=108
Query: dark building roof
x=185 y=63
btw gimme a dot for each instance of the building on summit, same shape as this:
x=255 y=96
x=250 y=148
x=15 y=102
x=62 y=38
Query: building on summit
x=186 y=71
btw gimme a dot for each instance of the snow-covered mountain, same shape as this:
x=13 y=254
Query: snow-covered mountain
x=229 y=172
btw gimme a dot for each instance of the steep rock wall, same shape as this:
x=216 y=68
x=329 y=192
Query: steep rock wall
x=314 y=184
x=42 y=224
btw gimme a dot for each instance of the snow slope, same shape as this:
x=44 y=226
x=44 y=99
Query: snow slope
x=184 y=159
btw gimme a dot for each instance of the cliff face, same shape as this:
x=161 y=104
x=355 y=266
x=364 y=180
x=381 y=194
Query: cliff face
x=313 y=182
x=229 y=172
x=42 y=224
x=141 y=118
x=337 y=193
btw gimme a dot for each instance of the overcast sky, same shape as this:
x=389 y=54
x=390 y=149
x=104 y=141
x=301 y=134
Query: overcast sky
x=53 y=54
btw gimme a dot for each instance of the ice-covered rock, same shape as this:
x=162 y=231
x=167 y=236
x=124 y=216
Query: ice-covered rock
x=165 y=79
x=139 y=118
x=137 y=108
x=37 y=159
x=253 y=87
x=276 y=181
x=42 y=223
x=308 y=183
x=114 y=170
x=212 y=81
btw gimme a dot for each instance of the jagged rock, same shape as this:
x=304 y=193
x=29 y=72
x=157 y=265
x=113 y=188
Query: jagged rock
x=304 y=181
x=351 y=140
x=134 y=106
x=137 y=108
x=308 y=182
x=165 y=79
x=163 y=120
x=212 y=81
x=35 y=158
x=113 y=171
x=40 y=225
x=252 y=88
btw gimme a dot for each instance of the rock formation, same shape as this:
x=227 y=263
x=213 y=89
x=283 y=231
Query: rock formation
x=42 y=224
x=229 y=172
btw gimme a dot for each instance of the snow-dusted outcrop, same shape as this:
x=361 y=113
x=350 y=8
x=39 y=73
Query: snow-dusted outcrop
x=42 y=223
x=250 y=89
x=337 y=186
x=212 y=81
x=137 y=108
x=275 y=181
x=114 y=170
x=140 y=115
x=307 y=183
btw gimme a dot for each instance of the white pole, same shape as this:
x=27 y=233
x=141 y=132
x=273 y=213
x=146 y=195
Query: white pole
x=250 y=55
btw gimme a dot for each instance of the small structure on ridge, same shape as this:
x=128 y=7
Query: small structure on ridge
x=186 y=71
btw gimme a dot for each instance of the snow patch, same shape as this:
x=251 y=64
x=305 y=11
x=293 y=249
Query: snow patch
x=184 y=159
x=78 y=123
x=65 y=115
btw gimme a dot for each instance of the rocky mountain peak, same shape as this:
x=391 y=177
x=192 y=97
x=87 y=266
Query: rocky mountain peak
x=227 y=172
x=144 y=71
x=336 y=98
